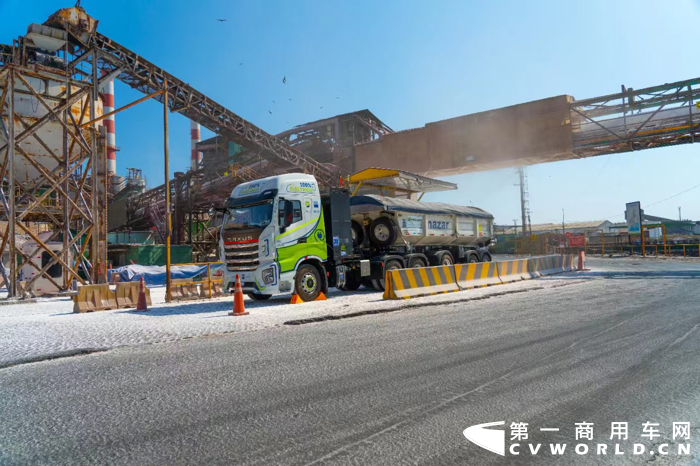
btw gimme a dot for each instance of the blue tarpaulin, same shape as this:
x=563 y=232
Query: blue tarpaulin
x=155 y=275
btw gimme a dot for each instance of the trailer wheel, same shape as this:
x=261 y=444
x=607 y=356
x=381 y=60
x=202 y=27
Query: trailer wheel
x=358 y=233
x=446 y=259
x=259 y=297
x=390 y=265
x=416 y=263
x=307 y=283
x=382 y=232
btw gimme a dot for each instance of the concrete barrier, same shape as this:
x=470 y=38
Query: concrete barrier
x=547 y=265
x=514 y=271
x=127 y=294
x=216 y=289
x=184 y=290
x=424 y=281
x=477 y=275
x=569 y=263
x=92 y=298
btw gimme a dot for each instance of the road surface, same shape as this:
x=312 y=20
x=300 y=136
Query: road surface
x=394 y=388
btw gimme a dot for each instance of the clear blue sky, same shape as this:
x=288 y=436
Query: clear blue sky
x=412 y=62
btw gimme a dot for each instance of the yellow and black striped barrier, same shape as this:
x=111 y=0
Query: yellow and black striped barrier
x=423 y=281
x=514 y=271
x=477 y=274
x=412 y=283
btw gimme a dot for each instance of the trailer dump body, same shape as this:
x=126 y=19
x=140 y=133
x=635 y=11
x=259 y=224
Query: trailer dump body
x=426 y=223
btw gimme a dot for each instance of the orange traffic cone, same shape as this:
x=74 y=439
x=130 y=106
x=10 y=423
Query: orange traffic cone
x=581 y=261
x=141 y=302
x=238 y=306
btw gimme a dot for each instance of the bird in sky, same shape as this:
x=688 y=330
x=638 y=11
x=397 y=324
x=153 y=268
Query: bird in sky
x=222 y=20
x=284 y=80
x=321 y=107
x=273 y=101
x=290 y=99
x=269 y=112
x=240 y=63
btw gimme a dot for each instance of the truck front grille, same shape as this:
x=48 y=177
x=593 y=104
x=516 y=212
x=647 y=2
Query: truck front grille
x=241 y=256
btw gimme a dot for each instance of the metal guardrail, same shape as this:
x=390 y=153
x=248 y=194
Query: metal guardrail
x=667 y=250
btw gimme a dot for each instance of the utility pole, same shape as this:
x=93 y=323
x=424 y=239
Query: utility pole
x=680 y=219
x=515 y=226
x=563 y=225
x=524 y=202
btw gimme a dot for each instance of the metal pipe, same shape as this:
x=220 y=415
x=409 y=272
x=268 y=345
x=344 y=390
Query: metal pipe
x=94 y=246
x=168 y=225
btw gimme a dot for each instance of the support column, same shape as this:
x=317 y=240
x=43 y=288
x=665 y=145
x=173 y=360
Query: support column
x=168 y=220
x=12 y=218
x=94 y=164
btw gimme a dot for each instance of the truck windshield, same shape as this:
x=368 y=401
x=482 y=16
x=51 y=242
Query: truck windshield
x=256 y=215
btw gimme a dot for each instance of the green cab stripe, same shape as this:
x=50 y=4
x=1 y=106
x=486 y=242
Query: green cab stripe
x=297 y=228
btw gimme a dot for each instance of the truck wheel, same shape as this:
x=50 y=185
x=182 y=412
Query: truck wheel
x=358 y=233
x=352 y=282
x=259 y=297
x=390 y=265
x=416 y=263
x=367 y=282
x=473 y=258
x=446 y=259
x=486 y=257
x=382 y=232
x=307 y=283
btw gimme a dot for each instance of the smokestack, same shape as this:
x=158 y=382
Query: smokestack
x=195 y=156
x=108 y=99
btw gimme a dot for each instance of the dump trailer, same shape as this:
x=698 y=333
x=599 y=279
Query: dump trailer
x=280 y=234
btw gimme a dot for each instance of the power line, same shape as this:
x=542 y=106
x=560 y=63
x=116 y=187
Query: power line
x=659 y=202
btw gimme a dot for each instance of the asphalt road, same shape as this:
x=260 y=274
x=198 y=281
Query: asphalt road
x=394 y=388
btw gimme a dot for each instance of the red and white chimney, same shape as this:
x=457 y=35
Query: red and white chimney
x=108 y=106
x=195 y=137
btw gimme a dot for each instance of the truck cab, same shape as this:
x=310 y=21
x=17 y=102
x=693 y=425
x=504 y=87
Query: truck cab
x=273 y=237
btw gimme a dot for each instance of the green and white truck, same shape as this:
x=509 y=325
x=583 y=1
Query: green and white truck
x=280 y=234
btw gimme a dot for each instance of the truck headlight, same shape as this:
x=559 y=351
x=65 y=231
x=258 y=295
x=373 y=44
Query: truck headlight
x=268 y=275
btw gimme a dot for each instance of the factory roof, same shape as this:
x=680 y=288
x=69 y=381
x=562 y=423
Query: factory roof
x=556 y=227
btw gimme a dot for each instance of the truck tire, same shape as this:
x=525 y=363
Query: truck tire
x=416 y=263
x=486 y=257
x=353 y=280
x=473 y=258
x=445 y=258
x=382 y=232
x=358 y=233
x=259 y=297
x=390 y=265
x=307 y=282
